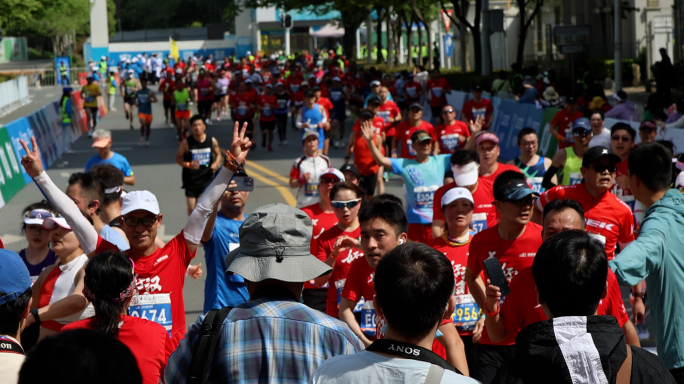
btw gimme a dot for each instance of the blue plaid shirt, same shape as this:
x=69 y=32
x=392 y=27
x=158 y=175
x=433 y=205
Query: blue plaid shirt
x=267 y=340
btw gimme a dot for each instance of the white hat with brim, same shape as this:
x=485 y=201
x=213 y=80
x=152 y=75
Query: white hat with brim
x=52 y=223
x=140 y=201
x=465 y=175
x=37 y=216
x=457 y=193
x=275 y=243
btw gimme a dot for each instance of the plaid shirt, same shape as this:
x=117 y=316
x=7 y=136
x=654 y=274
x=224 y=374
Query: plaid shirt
x=267 y=340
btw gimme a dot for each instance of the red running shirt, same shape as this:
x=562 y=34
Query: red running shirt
x=403 y=137
x=438 y=90
x=388 y=111
x=412 y=91
x=242 y=104
x=448 y=136
x=606 y=215
x=563 y=123
x=472 y=110
x=326 y=104
x=268 y=104
x=488 y=181
x=484 y=213
x=147 y=340
x=159 y=281
x=514 y=256
x=363 y=159
x=321 y=221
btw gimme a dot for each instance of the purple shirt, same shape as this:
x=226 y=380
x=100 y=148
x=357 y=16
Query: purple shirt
x=623 y=111
x=35 y=270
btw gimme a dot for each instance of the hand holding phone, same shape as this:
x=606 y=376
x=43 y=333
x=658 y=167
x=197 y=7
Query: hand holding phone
x=496 y=275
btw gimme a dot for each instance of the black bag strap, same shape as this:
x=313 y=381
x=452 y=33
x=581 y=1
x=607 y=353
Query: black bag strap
x=203 y=353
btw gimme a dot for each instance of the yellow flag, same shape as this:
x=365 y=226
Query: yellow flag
x=174 y=49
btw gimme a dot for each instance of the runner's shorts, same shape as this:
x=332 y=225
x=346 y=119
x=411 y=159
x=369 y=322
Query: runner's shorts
x=146 y=117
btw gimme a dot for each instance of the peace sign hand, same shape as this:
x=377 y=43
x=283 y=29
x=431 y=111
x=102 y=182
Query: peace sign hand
x=241 y=144
x=31 y=162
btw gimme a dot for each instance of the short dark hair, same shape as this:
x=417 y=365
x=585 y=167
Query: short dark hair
x=669 y=145
x=570 y=270
x=346 y=185
x=504 y=178
x=561 y=204
x=651 y=163
x=195 y=118
x=464 y=156
x=599 y=112
x=10 y=313
x=43 y=204
x=387 y=210
x=618 y=126
x=388 y=197
x=413 y=284
x=524 y=132
x=93 y=357
x=91 y=188
x=111 y=178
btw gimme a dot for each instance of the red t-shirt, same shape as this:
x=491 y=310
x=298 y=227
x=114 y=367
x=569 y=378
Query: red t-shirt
x=146 y=339
x=606 y=215
x=563 y=123
x=388 y=111
x=341 y=267
x=488 y=181
x=438 y=90
x=204 y=90
x=167 y=88
x=514 y=256
x=613 y=304
x=326 y=104
x=625 y=194
x=293 y=84
x=484 y=213
x=321 y=221
x=242 y=104
x=267 y=103
x=472 y=110
x=159 y=281
x=403 y=136
x=448 y=136
x=412 y=90
x=521 y=307
x=297 y=99
x=363 y=159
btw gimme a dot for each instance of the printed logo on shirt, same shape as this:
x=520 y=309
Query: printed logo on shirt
x=528 y=254
x=314 y=222
x=459 y=275
x=509 y=272
x=148 y=284
x=351 y=256
x=491 y=253
x=599 y=224
x=319 y=234
x=159 y=260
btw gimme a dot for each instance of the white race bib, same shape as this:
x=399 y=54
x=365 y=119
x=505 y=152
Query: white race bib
x=154 y=307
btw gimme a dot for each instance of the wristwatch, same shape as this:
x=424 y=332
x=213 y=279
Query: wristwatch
x=36 y=317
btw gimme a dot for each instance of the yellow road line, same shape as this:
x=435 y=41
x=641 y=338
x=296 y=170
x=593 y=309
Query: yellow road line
x=269 y=172
x=284 y=190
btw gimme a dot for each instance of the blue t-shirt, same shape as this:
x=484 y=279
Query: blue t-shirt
x=116 y=160
x=313 y=116
x=144 y=103
x=421 y=181
x=529 y=97
x=111 y=235
x=221 y=289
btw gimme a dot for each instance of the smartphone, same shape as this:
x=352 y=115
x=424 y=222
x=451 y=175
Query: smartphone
x=244 y=183
x=496 y=275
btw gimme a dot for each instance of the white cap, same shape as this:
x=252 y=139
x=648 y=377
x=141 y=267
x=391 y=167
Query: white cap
x=465 y=175
x=309 y=132
x=53 y=222
x=456 y=193
x=140 y=200
x=374 y=82
x=37 y=216
x=248 y=81
x=679 y=182
x=208 y=61
x=103 y=58
x=332 y=171
x=336 y=78
x=249 y=53
x=268 y=85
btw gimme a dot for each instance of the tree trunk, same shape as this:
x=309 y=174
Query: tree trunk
x=419 y=59
x=431 y=53
x=378 y=33
x=522 y=36
x=351 y=21
x=396 y=38
x=390 y=39
x=409 y=42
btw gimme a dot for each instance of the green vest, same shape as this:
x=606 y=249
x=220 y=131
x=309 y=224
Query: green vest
x=571 y=172
x=112 y=85
x=130 y=87
x=423 y=51
x=63 y=71
x=383 y=52
x=339 y=50
x=103 y=67
x=66 y=119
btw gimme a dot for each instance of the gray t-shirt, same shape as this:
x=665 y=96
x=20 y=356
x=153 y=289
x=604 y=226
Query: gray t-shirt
x=369 y=367
x=601 y=140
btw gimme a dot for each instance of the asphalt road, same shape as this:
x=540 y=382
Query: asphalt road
x=156 y=171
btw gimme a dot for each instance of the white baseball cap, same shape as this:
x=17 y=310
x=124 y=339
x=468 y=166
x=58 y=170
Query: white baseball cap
x=465 y=175
x=332 y=171
x=457 y=193
x=140 y=200
x=37 y=216
x=53 y=222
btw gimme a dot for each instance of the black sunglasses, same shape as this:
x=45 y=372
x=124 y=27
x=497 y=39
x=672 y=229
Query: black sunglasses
x=147 y=221
x=600 y=168
x=582 y=133
x=624 y=139
x=447 y=111
x=528 y=200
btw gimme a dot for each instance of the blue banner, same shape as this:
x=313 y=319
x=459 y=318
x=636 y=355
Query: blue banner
x=62 y=66
x=21 y=129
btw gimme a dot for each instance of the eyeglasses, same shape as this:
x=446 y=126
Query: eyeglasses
x=147 y=221
x=328 y=181
x=529 y=200
x=600 y=168
x=345 y=204
x=447 y=111
x=624 y=139
x=582 y=133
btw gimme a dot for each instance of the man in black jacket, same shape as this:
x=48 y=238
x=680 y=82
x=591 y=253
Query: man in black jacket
x=574 y=345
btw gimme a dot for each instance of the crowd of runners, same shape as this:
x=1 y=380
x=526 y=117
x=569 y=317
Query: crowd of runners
x=95 y=261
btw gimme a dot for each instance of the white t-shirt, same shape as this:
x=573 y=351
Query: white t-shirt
x=369 y=367
x=10 y=364
x=601 y=140
x=308 y=193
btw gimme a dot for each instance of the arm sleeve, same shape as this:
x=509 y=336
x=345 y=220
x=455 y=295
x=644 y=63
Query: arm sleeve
x=640 y=257
x=84 y=231
x=546 y=183
x=198 y=218
x=677 y=124
x=298 y=121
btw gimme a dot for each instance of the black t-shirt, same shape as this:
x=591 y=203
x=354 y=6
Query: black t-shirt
x=201 y=152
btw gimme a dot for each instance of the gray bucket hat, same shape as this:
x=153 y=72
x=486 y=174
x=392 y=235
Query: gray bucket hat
x=275 y=243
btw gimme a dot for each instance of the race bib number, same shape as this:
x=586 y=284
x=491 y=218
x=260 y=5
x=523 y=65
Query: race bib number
x=202 y=156
x=424 y=196
x=294 y=88
x=536 y=183
x=478 y=222
x=206 y=91
x=450 y=141
x=368 y=319
x=153 y=307
x=282 y=103
x=479 y=112
x=437 y=92
x=242 y=110
x=130 y=90
x=575 y=178
x=182 y=107
x=335 y=95
x=385 y=116
x=224 y=89
x=466 y=313
x=411 y=151
x=311 y=190
x=89 y=99
x=411 y=91
x=267 y=111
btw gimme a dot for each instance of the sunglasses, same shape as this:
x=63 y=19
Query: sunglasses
x=529 y=200
x=147 y=221
x=600 y=168
x=328 y=181
x=447 y=111
x=623 y=139
x=581 y=133
x=345 y=204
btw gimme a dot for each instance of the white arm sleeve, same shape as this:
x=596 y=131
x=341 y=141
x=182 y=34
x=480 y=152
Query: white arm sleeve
x=676 y=124
x=298 y=121
x=205 y=205
x=84 y=231
x=324 y=118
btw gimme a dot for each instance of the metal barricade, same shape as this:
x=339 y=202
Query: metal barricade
x=48 y=77
x=13 y=94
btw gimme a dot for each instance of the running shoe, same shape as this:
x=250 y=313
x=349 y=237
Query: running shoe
x=142 y=140
x=132 y=127
x=126 y=115
x=90 y=134
x=218 y=118
x=208 y=121
x=270 y=148
x=284 y=142
x=147 y=143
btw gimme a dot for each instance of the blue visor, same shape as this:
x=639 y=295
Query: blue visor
x=516 y=190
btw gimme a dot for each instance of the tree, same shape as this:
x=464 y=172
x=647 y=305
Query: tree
x=474 y=28
x=525 y=23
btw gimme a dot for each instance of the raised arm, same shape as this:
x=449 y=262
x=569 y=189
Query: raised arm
x=368 y=134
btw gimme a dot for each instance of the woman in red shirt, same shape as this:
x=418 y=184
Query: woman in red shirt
x=109 y=286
